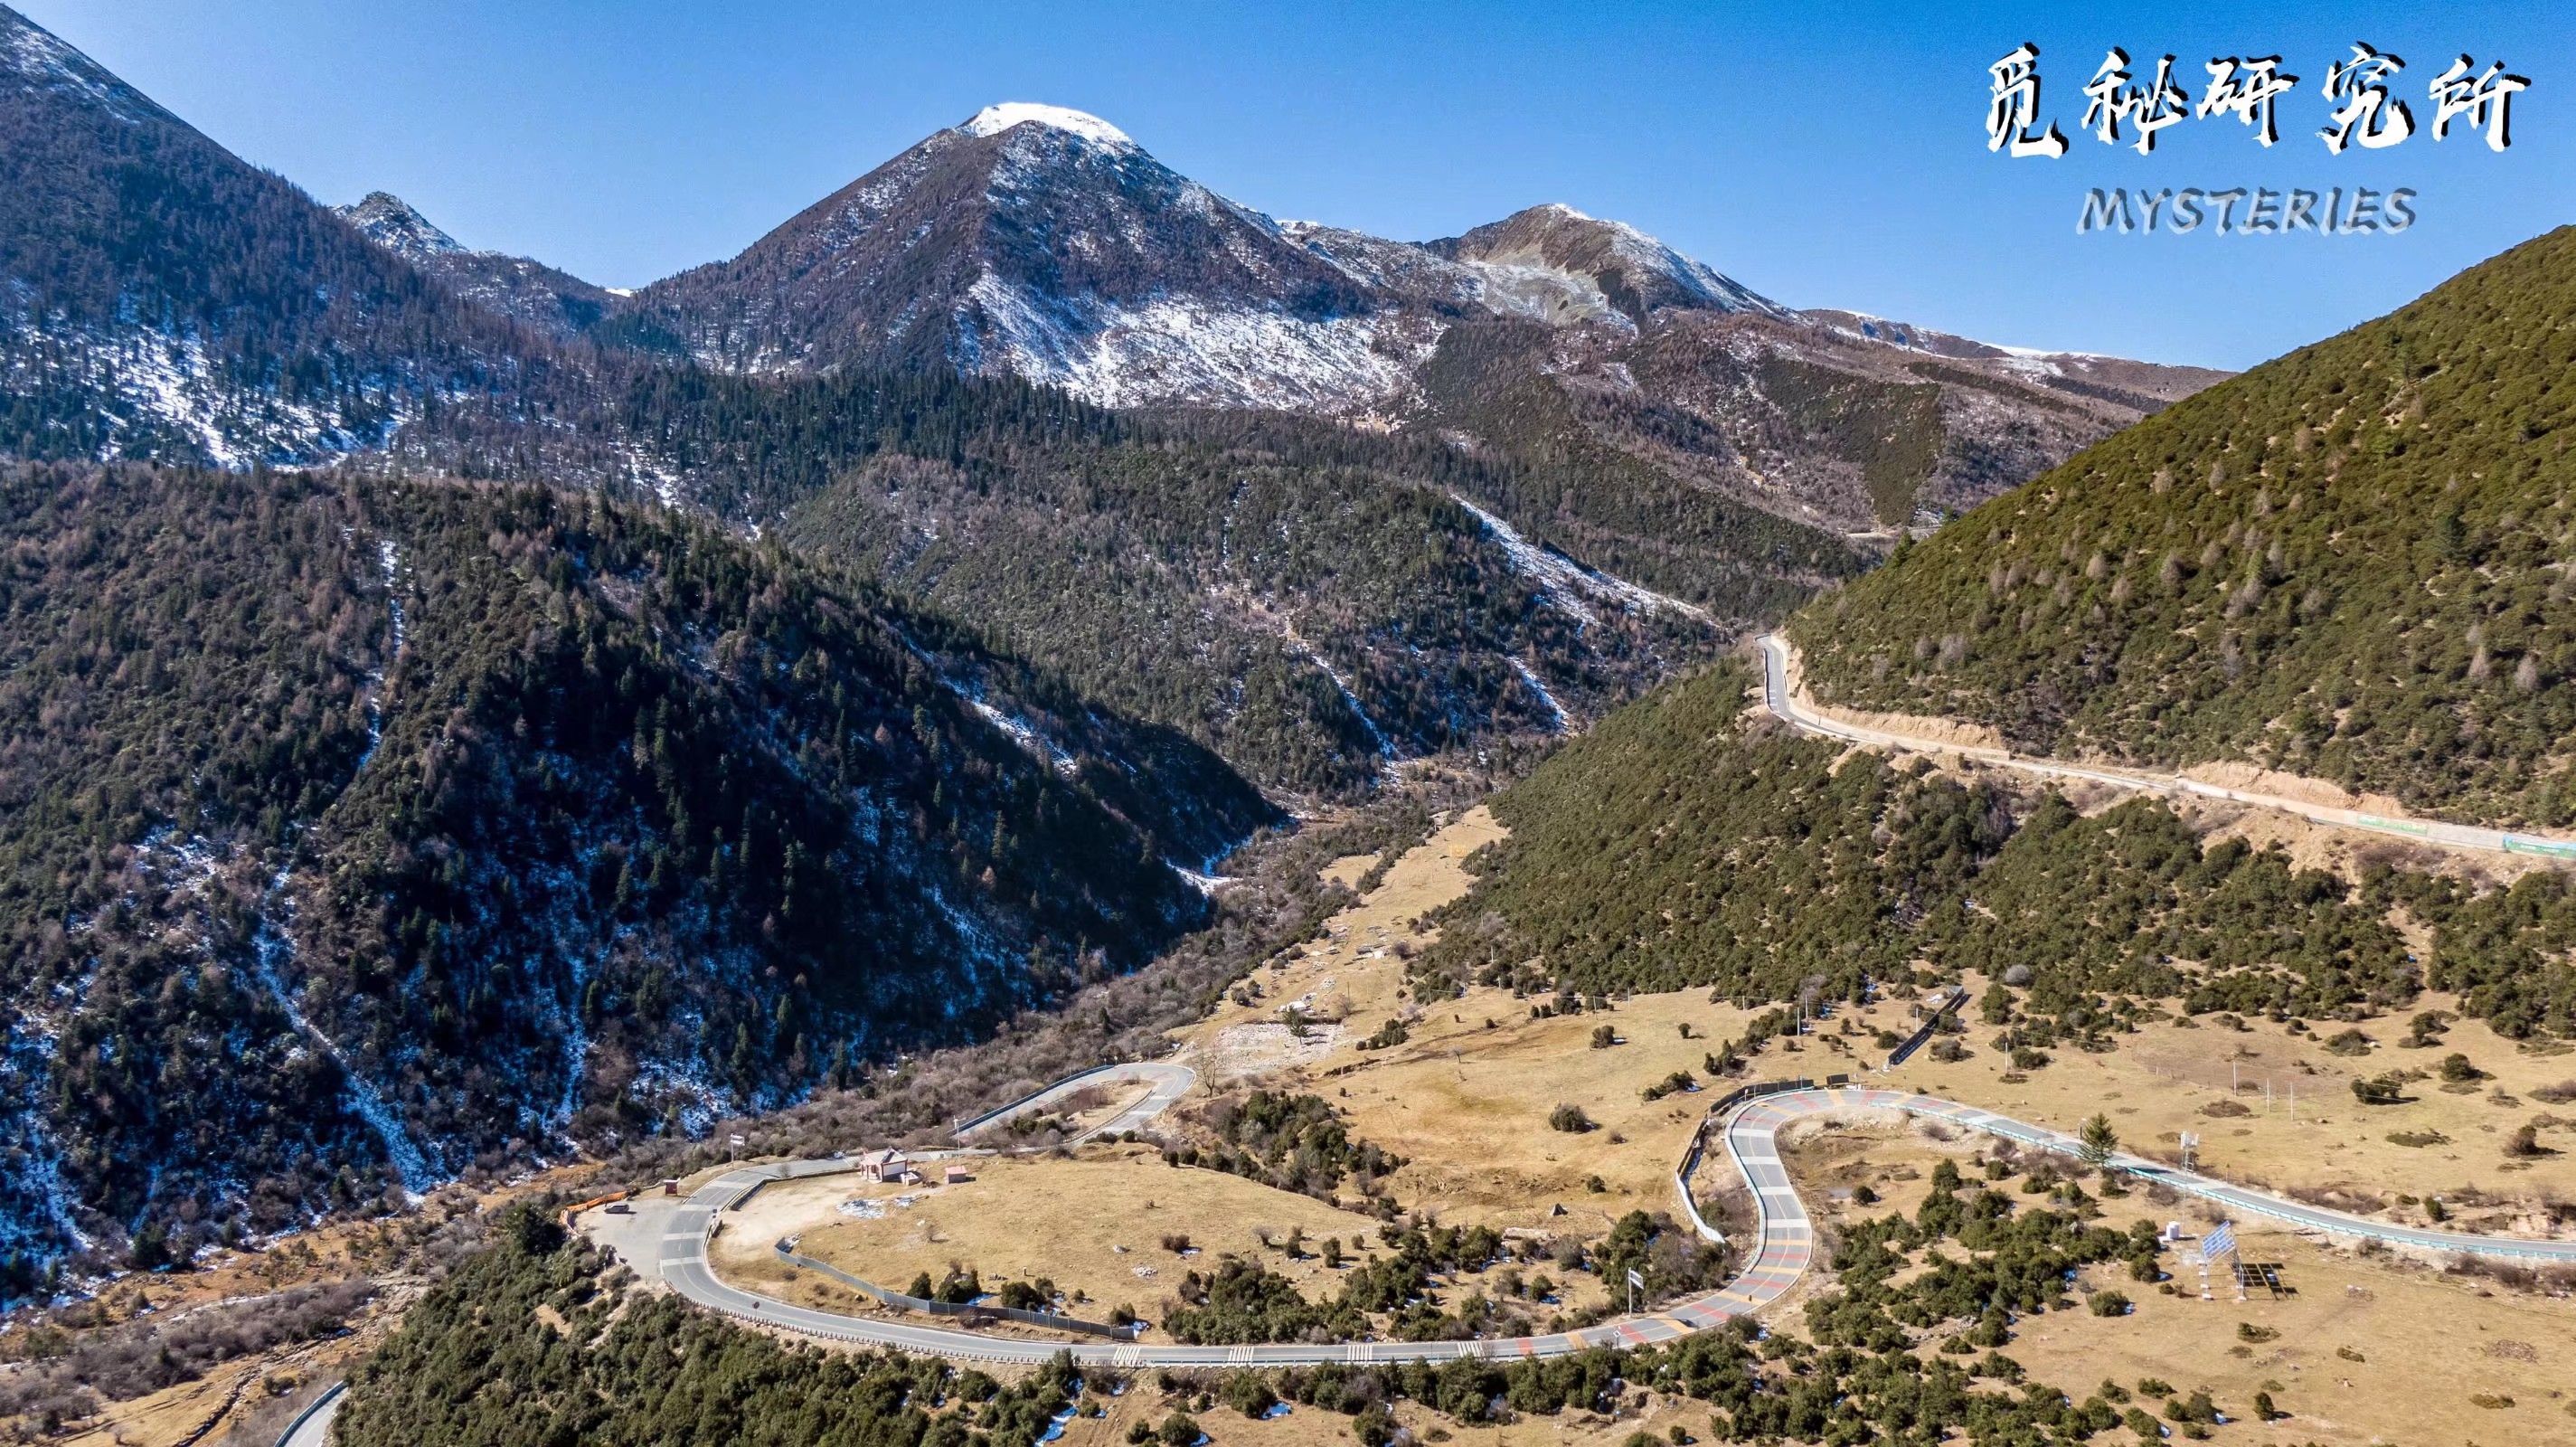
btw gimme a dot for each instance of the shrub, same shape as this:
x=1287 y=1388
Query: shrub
x=2110 y=1303
x=1678 y=1081
x=2195 y=1409
x=1570 y=1118
x=1250 y=1394
x=1038 y=1295
x=1604 y=1036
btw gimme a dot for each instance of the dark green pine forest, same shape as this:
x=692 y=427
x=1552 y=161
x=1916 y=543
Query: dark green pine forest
x=2357 y=563
x=557 y=817
x=1684 y=844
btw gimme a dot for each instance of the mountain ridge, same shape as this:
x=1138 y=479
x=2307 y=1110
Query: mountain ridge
x=2350 y=562
x=1050 y=245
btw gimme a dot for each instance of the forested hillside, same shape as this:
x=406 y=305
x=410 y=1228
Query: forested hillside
x=160 y=298
x=1310 y=603
x=1684 y=844
x=2357 y=562
x=401 y=822
x=1307 y=599
x=1618 y=477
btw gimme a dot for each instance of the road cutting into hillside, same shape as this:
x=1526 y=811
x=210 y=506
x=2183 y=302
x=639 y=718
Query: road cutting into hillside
x=1746 y=1125
x=1784 y=705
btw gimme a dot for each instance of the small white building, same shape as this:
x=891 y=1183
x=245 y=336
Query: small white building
x=885 y=1166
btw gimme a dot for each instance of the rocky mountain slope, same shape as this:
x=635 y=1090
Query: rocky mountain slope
x=555 y=303
x=1045 y=244
x=244 y=323
x=2352 y=563
x=356 y=832
x=161 y=299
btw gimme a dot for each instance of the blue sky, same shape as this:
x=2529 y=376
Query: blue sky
x=1824 y=154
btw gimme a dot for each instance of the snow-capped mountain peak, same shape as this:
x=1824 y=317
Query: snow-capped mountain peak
x=992 y=120
x=391 y=222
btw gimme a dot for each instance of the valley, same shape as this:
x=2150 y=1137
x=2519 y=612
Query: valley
x=1042 y=807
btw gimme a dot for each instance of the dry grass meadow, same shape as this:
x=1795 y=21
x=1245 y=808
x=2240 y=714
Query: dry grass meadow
x=2372 y=1349
x=1092 y=1224
x=2369 y=1349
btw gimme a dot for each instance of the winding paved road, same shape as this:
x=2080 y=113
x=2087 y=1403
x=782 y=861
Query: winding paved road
x=1778 y=699
x=1782 y=1251
x=312 y=1426
x=1170 y=1082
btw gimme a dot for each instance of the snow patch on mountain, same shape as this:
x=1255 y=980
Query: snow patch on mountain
x=1188 y=350
x=1377 y=736
x=271 y=948
x=36 y=57
x=1572 y=587
x=389 y=566
x=43 y=1210
x=1701 y=281
x=992 y=120
x=1530 y=680
x=1020 y=732
x=148 y=377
